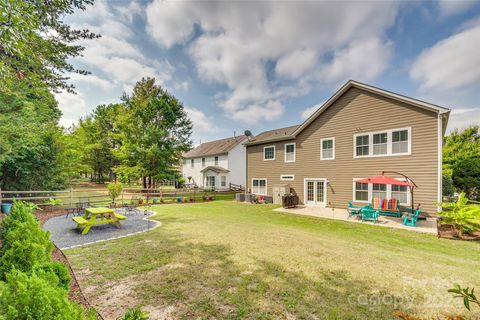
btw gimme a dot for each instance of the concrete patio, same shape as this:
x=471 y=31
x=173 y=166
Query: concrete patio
x=424 y=226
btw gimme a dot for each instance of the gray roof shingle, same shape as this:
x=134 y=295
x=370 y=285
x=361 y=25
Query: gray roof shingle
x=211 y=148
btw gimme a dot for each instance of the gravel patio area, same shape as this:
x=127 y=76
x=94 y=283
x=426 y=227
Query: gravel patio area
x=64 y=233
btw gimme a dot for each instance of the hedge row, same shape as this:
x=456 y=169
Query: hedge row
x=31 y=285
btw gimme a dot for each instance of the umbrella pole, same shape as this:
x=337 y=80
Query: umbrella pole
x=411 y=193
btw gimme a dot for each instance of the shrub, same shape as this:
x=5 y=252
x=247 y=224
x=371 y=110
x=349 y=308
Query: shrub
x=25 y=244
x=55 y=272
x=114 y=189
x=32 y=297
x=21 y=212
x=466 y=176
x=134 y=314
x=447 y=185
x=465 y=217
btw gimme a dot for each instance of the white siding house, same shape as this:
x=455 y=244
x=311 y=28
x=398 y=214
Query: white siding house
x=216 y=163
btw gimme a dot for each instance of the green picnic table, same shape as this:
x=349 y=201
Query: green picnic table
x=97 y=216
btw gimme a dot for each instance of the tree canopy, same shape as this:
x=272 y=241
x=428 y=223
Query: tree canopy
x=35 y=44
x=461 y=160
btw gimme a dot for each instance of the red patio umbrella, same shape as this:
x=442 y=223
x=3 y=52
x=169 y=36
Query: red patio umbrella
x=383 y=179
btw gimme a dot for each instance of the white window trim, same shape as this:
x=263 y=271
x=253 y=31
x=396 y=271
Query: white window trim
x=266 y=186
x=221 y=181
x=274 y=151
x=294 y=151
x=370 y=193
x=282 y=177
x=325 y=181
x=321 y=148
x=389 y=143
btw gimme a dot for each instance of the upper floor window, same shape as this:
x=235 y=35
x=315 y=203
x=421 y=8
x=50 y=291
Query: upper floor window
x=400 y=141
x=191 y=162
x=216 y=160
x=362 y=147
x=203 y=162
x=384 y=143
x=269 y=153
x=327 y=149
x=380 y=143
x=290 y=152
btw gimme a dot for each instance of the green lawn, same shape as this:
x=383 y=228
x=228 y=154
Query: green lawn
x=226 y=260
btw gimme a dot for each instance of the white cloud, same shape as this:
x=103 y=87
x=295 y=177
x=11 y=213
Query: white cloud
x=201 y=123
x=296 y=63
x=451 y=7
x=309 y=111
x=362 y=60
x=464 y=117
x=236 y=44
x=71 y=105
x=451 y=63
x=91 y=80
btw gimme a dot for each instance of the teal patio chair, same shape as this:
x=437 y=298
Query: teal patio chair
x=368 y=214
x=411 y=218
x=353 y=210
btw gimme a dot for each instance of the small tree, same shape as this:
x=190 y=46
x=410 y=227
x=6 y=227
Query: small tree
x=465 y=217
x=466 y=176
x=114 y=190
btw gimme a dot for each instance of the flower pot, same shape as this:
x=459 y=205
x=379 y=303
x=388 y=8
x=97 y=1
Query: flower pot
x=6 y=207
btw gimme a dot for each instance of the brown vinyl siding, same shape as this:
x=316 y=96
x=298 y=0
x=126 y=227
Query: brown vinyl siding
x=356 y=111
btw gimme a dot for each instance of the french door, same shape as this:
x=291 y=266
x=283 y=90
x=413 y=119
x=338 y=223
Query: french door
x=316 y=192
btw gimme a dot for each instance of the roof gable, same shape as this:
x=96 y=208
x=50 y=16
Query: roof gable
x=372 y=89
x=216 y=147
x=293 y=131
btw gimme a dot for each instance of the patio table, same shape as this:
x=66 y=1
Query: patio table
x=97 y=216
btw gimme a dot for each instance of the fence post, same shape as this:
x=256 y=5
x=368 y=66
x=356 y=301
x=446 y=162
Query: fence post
x=71 y=196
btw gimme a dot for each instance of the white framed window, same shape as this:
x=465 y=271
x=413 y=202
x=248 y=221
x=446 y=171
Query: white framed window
x=379 y=191
x=287 y=177
x=223 y=181
x=400 y=142
x=259 y=186
x=392 y=142
x=360 y=192
x=210 y=181
x=216 y=160
x=269 y=153
x=366 y=192
x=380 y=143
x=327 y=149
x=290 y=152
x=192 y=161
x=401 y=194
x=362 y=145
x=203 y=162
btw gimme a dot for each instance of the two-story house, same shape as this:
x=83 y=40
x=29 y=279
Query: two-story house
x=358 y=133
x=216 y=164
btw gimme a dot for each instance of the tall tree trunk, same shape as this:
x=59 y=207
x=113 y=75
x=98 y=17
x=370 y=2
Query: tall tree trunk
x=149 y=182
x=144 y=182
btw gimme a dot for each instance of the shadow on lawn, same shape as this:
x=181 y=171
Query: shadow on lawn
x=202 y=281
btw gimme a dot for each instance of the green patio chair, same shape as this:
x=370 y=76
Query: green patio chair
x=411 y=218
x=368 y=214
x=353 y=210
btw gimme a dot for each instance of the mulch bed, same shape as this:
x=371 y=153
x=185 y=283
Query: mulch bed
x=448 y=231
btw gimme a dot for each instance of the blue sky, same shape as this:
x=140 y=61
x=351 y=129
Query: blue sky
x=262 y=65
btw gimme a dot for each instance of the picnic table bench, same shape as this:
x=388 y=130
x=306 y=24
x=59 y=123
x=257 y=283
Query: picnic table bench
x=97 y=216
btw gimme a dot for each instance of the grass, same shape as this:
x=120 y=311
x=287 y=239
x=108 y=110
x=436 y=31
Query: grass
x=239 y=261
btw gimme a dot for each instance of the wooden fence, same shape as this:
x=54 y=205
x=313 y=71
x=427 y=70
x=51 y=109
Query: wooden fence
x=100 y=196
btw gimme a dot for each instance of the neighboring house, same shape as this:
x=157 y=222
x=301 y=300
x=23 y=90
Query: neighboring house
x=216 y=163
x=358 y=133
